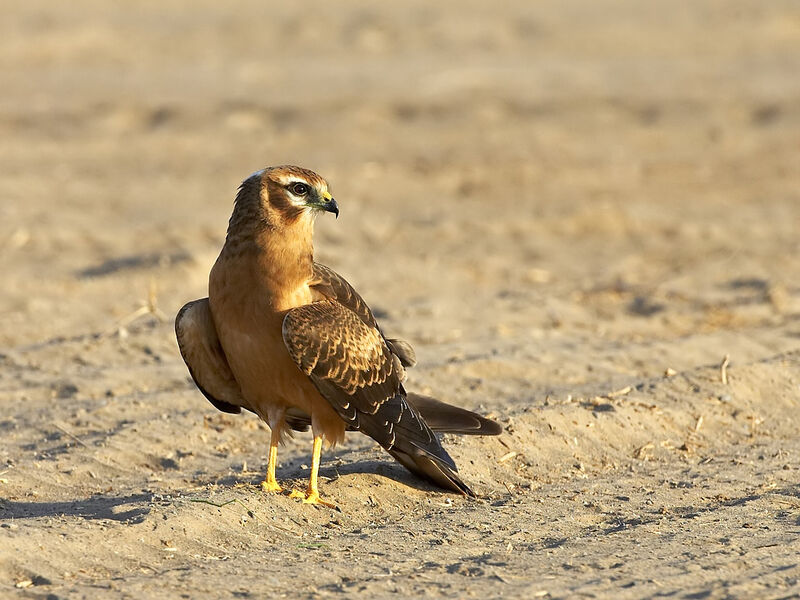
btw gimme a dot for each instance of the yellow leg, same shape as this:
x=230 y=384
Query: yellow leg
x=270 y=484
x=312 y=493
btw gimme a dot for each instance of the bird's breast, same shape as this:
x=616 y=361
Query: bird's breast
x=248 y=315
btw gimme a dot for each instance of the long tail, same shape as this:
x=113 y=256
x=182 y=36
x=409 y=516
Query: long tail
x=418 y=449
x=440 y=417
x=414 y=443
x=446 y=418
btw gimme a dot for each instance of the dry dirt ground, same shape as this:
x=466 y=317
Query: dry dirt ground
x=573 y=211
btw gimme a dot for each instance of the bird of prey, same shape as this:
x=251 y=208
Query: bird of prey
x=290 y=340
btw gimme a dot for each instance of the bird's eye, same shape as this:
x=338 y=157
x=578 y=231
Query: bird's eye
x=299 y=189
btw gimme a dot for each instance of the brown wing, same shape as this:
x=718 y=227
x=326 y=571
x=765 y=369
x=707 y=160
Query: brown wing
x=335 y=287
x=439 y=416
x=353 y=368
x=203 y=354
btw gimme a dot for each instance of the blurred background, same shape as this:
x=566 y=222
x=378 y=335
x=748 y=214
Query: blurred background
x=621 y=169
x=572 y=209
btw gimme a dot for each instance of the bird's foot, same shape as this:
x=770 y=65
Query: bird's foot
x=271 y=486
x=311 y=497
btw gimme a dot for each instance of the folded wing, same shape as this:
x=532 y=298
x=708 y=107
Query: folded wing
x=203 y=354
x=335 y=287
x=352 y=366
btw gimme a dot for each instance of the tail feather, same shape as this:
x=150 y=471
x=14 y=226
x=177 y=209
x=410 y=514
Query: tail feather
x=440 y=417
x=414 y=443
x=446 y=418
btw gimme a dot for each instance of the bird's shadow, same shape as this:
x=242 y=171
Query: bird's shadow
x=92 y=508
x=381 y=468
x=334 y=468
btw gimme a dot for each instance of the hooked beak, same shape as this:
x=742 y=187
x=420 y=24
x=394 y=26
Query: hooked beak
x=330 y=204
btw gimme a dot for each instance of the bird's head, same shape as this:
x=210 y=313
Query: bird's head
x=289 y=193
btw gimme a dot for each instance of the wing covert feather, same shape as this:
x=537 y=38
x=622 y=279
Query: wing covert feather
x=331 y=343
x=333 y=286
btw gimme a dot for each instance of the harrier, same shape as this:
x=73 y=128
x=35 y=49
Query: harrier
x=290 y=340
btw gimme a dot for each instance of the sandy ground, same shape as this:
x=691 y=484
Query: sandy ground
x=573 y=211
